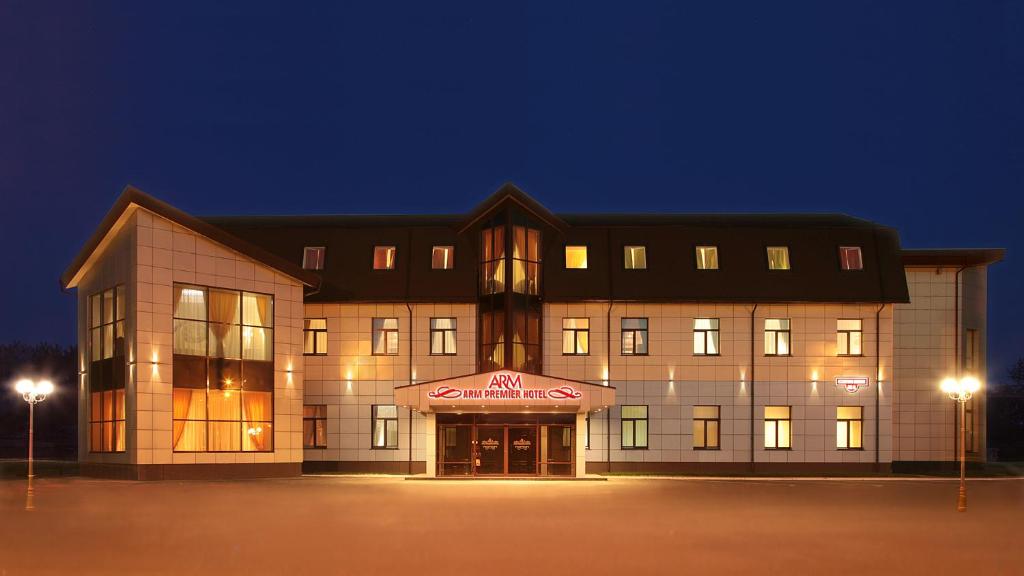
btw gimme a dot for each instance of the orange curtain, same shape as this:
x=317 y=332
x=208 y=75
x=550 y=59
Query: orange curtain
x=255 y=414
x=223 y=314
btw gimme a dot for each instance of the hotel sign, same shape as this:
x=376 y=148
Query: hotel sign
x=852 y=383
x=504 y=386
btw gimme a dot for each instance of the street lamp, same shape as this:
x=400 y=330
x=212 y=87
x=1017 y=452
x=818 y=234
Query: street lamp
x=33 y=393
x=961 y=390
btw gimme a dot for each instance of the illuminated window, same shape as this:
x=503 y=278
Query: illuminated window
x=442 y=258
x=442 y=336
x=636 y=258
x=634 y=427
x=383 y=257
x=706 y=426
x=634 y=336
x=778 y=432
x=705 y=337
x=778 y=258
x=314 y=426
x=707 y=257
x=492 y=260
x=107 y=370
x=849 y=427
x=777 y=337
x=385 y=427
x=314 y=336
x=576 y=336
x=575 y=257
x=849 y=337
x=850 y=258
x=313 y=257
x=525 y=260
x=223 y=389
x=385 y=336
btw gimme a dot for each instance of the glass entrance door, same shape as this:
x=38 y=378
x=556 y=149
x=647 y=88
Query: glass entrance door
x=490 y=450
x=522 y=450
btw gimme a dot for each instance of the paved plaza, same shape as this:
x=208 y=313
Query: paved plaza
x=388 y=525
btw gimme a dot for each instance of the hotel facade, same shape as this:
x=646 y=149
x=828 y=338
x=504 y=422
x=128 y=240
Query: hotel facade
x=512 y=341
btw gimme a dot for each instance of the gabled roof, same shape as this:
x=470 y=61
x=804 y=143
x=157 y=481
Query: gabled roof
x=133 y=197
x=509 y=193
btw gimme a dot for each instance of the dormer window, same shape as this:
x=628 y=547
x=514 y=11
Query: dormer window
x=850 y=258
x=313 y=257
x=778 y=258
x=384 y=257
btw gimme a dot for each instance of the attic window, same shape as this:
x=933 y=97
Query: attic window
x=778 y=258
x=850 y=258
x=313 y=257
x=383 y=257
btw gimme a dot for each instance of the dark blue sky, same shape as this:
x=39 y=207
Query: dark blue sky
x=911 y=114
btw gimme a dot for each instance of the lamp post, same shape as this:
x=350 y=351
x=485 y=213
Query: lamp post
x=33 y=393
x=961 y=390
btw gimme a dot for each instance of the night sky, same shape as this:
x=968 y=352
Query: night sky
x=910 y=114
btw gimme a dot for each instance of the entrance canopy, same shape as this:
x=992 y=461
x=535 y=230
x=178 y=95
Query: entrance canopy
x=505 y=391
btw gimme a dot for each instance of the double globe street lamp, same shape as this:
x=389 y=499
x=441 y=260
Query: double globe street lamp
x=32 y=392
x=962 y=390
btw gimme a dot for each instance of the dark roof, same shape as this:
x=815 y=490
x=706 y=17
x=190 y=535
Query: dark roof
x=132 y=195
x=953 y=256
x=510 y=194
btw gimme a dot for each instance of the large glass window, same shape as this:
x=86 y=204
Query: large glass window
x=526 y=340
x=314 y=426
x=442 y=258
x=442 y=336
x=707 y=257
x=384 y=257
x=576 y=336
x=107 y=370
x=849 y=337
x=777 y=337
x=492 y=340
x=706 y=425
x=636 y=257
x=634 y=427
x=526 y=260
x=385 y=426
x=849 y=427
x=705 y=337
x=778 y=258
x=634 y=336
x=223 y=370
x=492 y=261
x=314 y=336
x=778 y=433
x=850 y=258
x=385 y=336
x=575 y=257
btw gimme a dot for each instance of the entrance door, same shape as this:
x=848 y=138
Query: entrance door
x=490 y=450
x=522 y=450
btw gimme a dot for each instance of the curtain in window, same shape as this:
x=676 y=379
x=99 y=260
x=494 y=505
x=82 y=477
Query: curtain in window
x=189 y=420
x=224 y=330
x=256 y=425
x=576 y=257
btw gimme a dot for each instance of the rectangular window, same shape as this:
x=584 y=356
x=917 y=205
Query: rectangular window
x=849 y=427
x=776 y=337
x=707 y=257
x=223 y=389
x=778 y=431
x=107 y=370
x=576 y=336
x=525 y=260
x=492 y=260
x=778 y=258
x=442 y=336
x=575 y=257
x=314 y=426
x=705 y=337
x=634 y=427
x=314 y=336
x=971 y=346
x=706 y=425
x=313 y=257
x=849 y=337
x=636 y=257
x=385 y=427
x=385 y=336
x=850 y=258
x=634 y=336
x=383 y=257
x=442 y=258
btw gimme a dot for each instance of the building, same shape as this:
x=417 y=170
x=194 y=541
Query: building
x=514 y=341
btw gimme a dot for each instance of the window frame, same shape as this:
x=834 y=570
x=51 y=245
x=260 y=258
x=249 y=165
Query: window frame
x=846 y=422
x=626 y=254
x=316 y=332
x=387 y=421
x=775 y=333
x=444 y=339
x=847 y=333
x=622 y=336
x=632 y=420
x=705 y=332
x=696 y=257
x=768 y=257
x=586 y=254
x=322 y=257
x=387 y=334
x=704 y=423
x=394 y=258
x=860 y=257
x=575 y=336
x=775 y=421
x=314 y=419
x=451 y=250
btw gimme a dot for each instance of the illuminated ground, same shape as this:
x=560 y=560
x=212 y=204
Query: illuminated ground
x=362 y=526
